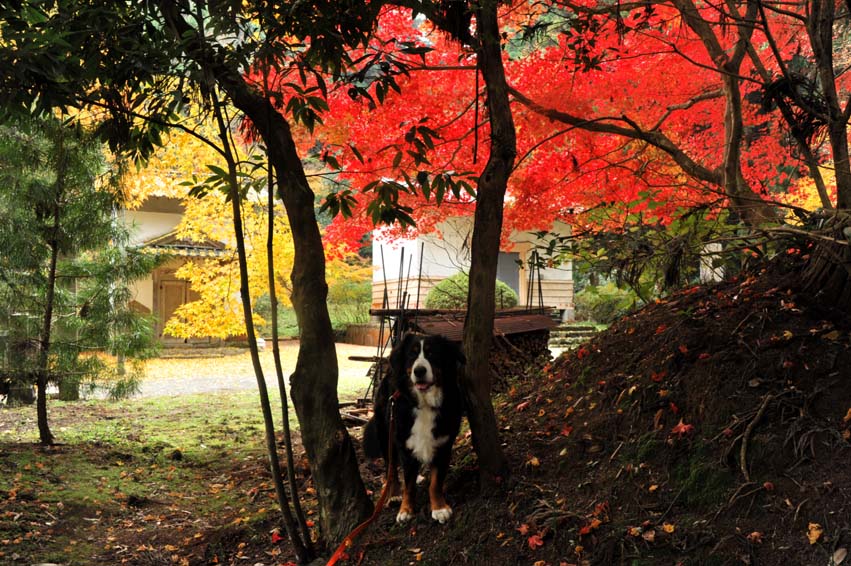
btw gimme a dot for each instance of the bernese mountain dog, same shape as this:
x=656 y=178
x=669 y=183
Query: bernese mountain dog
x=421 y=392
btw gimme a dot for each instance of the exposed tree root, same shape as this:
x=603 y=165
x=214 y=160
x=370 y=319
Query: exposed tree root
x=743 y=451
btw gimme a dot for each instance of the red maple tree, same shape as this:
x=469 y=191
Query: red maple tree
x=623 y=80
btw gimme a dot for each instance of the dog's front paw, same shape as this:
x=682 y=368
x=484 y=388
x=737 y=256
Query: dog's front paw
x=441 y=515
x=404 y=517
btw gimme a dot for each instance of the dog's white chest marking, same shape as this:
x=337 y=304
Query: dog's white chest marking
x=422 y=441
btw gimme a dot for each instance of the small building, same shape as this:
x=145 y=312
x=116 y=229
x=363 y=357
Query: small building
x=447 y=252
x=153 y=227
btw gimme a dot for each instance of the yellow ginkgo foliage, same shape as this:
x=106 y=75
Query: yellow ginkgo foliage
x=805 y=195
x=217 y=309
x=177 y=160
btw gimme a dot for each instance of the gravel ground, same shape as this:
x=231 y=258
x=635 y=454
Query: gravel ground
x=230 y=369
x=233 y=372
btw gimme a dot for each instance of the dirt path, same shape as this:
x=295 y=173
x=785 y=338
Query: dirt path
x=216 y=372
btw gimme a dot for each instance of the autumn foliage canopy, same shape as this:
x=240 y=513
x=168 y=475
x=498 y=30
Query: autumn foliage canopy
x=617 y=111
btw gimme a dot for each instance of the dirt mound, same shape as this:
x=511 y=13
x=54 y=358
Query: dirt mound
x=709 y=428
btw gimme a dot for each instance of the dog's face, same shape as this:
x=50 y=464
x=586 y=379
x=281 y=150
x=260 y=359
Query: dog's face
x=425 y=362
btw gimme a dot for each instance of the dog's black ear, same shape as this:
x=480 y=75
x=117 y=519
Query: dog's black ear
x=397 y=354
x=452 y=350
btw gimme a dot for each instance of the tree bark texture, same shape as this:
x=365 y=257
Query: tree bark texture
x=299 y=546
x=279 y=370
x=828 y=272
x=487 y=231
x=43 y=368
x=751 y=209
x=343 y=501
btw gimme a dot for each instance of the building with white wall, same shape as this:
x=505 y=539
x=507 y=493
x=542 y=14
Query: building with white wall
x=152 y=226
x=447 y=252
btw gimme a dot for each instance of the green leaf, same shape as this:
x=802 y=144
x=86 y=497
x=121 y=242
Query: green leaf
x=357 y=153
x=331 y=161
x=411 y=49
x=219 y=172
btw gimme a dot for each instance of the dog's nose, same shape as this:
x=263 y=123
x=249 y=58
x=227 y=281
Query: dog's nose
x=419 y=372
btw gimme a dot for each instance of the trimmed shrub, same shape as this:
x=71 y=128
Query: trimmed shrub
x=604 y=303
x=451 y=293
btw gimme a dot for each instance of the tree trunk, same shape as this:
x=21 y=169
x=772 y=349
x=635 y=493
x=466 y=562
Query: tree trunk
x=487 y=231
x=279 y=370
x=299 y=546
x=751 y=209
x=343 y=501
x=43 y=369
x=827 y=274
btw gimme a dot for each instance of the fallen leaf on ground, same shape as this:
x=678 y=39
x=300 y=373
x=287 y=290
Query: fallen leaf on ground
x=814 y=532
x=592 y=526
x=535 y=541
x=682 y=429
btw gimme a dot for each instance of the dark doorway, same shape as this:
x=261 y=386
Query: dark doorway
x=508 y=270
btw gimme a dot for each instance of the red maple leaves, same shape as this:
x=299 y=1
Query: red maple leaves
x=653 y=85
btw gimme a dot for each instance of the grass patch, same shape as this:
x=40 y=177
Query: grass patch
x=125 y=471
x=139 y=478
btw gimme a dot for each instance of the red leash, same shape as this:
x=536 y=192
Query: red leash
x=382 y=499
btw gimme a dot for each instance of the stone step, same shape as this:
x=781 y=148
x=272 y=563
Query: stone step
x=572 y=336
x=578 y=327
x=564 y=347
x=571 y=331
x=576 y=336
x=561 y=343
